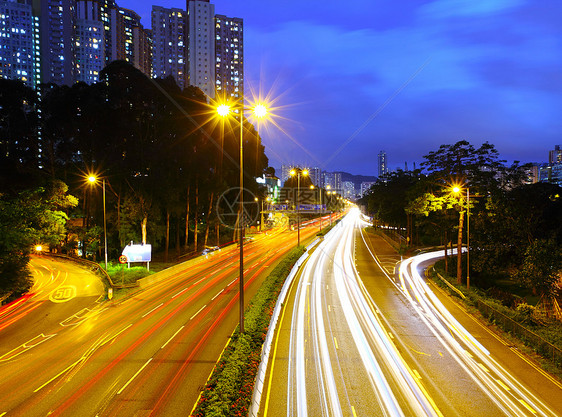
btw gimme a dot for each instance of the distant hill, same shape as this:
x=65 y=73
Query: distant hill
x=356 y=179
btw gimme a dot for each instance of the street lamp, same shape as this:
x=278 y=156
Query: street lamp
x=457 y=190
x=298 y=173
x=259 y=111
x=92 y=180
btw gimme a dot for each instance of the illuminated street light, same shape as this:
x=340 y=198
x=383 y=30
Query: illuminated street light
x=457 y=190
x=259 y=111
x=92 y=179
x=298 y=173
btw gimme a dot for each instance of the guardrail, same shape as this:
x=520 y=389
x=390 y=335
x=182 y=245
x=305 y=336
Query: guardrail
x=533 y=340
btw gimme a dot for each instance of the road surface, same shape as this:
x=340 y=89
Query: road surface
x=149 y=354
x=353 y=341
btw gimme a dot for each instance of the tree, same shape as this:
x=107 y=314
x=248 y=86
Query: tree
x=541 y=267
x=32 y=217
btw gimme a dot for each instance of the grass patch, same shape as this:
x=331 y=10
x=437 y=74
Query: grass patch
x=121 y=275
x=228 y=391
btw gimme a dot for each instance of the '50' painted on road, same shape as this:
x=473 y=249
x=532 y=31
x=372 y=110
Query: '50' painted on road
x=63 y=294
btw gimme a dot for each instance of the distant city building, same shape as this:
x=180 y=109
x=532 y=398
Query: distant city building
x=229 y=56
x=555 y=156
x=19 y=51
x=57 y=20
x=531 y=174
x=333 y=179
x=551 y=174
x=201 y=38
x=365 y=187
x=89 y=51
x=349 y=190
x=142 y=50
x=169 y=56
x=286 y=172
x=315 y=175
x=383 y=167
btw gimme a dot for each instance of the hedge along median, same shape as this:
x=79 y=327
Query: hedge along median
x=228 y=391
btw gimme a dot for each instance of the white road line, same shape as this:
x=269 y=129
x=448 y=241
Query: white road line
x=198 y=312
x=133 y=377
x=158 y=306
x=231 y=282
x=170 y=339
x=199 y=280
x=175 y=295
x=219 y=293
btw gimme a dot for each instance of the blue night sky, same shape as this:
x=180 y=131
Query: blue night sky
x=405 y=79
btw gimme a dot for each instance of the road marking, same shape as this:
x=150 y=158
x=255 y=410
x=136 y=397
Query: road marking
x=199 y=280
x=336 y=342
x=198 y=312
x=133 y=377
x=527 y=406
x=219 y=293
x=329 y=308
x=231 y=282
x=353 y=411
x=158 y=306
x=483 y=368
x=175 y=295
x=417 y=374
x=24 y=347
x=170 y=339
x=505 y=387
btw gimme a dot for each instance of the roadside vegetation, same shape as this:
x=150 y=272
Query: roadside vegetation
x=228 y=392
x=515 y=229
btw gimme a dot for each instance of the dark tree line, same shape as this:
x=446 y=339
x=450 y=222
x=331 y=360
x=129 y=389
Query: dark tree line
x=164 y=155
x=515 y=228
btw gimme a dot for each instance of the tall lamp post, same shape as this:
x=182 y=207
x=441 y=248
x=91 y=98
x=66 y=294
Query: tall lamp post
x=457 y=190
x=259 y=111
x=298 y=172
x=92 y=179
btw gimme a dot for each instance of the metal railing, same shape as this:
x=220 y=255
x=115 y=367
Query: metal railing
x=531 y=339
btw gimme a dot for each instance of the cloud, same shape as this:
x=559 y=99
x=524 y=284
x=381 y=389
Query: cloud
x=444 y=9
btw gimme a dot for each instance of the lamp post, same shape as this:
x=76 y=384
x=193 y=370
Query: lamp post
x=93 y=179
x=298 y=173
x=457 y=190
x=260 y=111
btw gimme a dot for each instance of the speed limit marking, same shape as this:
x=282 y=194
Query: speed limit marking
x=63 y=294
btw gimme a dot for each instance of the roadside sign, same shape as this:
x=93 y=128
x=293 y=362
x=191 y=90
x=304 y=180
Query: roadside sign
x=110 y=293
x=122 y=259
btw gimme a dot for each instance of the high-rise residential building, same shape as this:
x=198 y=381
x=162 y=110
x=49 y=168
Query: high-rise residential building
x=142 y=50
x=229 y=56
x=383 y=167
x=90 y=54
x=57 y=19
x=131 y=20
x=333 y=179
x=169 y=54
x=19 y=48
x=555 y=156
x=366 y=186
x=115 y=45
x=201 y=38
x=348 y=190
x=89 y=51
x=286 y=172
x=315 y=175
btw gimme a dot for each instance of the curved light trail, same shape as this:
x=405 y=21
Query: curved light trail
x=338 y=336
x=317 y=365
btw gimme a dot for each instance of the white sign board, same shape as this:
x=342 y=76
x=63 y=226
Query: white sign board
x=138 y=253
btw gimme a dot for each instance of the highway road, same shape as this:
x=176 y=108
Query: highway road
x=149 y=354
x=354 y=340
